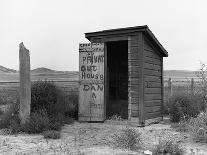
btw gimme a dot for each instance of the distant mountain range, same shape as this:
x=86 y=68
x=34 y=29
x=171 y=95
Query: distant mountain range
x=45 y=70
x=37 y=70
x=179 y=73
x=7 y=70
x=167 y=73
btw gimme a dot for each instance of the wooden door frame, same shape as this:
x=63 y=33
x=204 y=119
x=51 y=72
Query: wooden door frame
x=106 y=75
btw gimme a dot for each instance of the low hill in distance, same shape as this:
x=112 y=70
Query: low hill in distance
x=7 y=70
x=44 y=70
x=45 y=73
x=179 y=73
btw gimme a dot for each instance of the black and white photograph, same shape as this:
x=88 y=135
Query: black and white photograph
x=103 y=77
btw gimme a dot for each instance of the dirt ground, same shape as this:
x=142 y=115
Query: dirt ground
x=93 y=139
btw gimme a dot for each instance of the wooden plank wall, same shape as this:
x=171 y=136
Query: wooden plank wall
x=133 y=72
x=153 y=81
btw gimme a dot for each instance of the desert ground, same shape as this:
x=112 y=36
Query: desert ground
x=95 y=139
x=87 y=138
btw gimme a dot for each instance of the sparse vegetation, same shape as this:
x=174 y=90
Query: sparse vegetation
x=128 y=138
x=51 y=134
x=115 y=118
x=38 y=122
x=168 y=146
x=10 y=115
x=183 y=107
x=198 y=127
x=48 y=110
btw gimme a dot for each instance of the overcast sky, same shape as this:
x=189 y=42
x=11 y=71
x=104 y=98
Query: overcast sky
x=52 y=29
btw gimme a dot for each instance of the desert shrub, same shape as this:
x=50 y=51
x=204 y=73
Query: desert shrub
x=128 y=138
x=44 y=95
x=175 y=112
x=72 y=107
x=183 y=106
x=51 y=134
x=9 y=115
x=56 y=122
x=181 y=126
x=38 y=122
x=198 y=127
x=168 y=146
x=48 y=110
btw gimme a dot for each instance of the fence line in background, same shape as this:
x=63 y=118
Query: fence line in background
x=171 y=87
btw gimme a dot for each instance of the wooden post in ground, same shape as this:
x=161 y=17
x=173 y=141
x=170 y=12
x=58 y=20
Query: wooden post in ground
x=25 y=83
x=192 y=87
x=169 y=88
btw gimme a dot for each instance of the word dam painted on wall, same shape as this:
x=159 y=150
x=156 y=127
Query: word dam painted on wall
x=91 y=77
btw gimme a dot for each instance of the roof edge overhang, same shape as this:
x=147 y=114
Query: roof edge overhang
x=124 y=31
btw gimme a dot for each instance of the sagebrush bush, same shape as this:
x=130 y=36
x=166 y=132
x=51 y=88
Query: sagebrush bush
x=197 y=127
x=9 y=115
x=38 y=122
x=50 y=108
x=72 y=107
x=181 y=126
x=51 y=134
x=56 y=122
x=46 y=95
x=168 y=146
x=128 y=138
x=183 y=106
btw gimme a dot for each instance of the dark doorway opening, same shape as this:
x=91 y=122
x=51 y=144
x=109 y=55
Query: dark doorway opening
x=117 y=79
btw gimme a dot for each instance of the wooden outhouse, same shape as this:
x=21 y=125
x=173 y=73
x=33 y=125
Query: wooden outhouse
x=121 y=73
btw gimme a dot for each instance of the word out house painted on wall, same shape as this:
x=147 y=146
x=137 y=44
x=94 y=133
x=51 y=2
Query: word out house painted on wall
x=91 y=77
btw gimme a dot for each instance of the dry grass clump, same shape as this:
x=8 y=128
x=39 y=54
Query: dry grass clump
x=115 y=118
x=49 y=110
x=51 y=134
x=168 y=146
x=198 y=127
x=183 y=106
x=128 y=138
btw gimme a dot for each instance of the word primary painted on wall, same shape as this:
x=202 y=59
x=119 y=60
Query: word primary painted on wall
x=91 y=76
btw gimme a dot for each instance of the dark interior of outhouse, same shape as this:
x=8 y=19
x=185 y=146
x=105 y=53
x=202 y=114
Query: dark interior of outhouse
x=117 y=79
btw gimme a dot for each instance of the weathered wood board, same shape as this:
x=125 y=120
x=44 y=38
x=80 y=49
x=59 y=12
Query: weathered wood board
x=91 y=78
x=25 y=84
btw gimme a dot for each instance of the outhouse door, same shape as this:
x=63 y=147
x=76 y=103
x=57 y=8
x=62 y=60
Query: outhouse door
x=91 y=86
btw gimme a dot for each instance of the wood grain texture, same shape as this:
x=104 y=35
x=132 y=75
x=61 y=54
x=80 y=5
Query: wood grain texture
x=152 y=61
x=153 y=115
x=152 y=103
x=25 y=84
x=141 y=82
x=91 y=88
x=133 y=74
x=153 y=81
x=152 y=66
x=153 y=90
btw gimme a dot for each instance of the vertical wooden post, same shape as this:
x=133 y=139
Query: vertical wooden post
x=25 y=83
x=141 y=82
x=162 y=87
x=129 y=78
x=169 y=88
x=192 y=87
x=106 y=81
